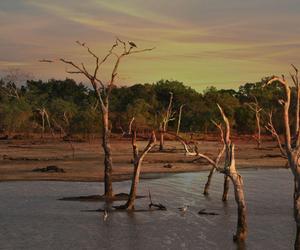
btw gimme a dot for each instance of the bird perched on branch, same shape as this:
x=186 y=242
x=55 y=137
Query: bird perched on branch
x=132 y=44
x=81 y=44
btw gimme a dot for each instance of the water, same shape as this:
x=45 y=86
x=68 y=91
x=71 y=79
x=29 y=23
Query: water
x=31 y=217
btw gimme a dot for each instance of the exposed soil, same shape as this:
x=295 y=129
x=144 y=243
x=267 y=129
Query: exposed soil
x=20 y=157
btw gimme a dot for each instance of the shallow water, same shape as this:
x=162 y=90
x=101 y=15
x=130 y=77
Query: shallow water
x=31 y=217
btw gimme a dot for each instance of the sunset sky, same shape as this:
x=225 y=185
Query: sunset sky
x=199 y=42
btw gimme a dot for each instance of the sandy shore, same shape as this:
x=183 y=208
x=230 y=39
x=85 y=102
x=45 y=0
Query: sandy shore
x=19 y=158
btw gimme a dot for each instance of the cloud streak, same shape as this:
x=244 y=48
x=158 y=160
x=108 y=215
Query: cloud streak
x=199 y=42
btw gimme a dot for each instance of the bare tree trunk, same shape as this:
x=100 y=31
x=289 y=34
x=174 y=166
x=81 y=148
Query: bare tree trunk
x=207 y=185
x=225 y=188
x=130 y=125
x=241 y=232
x=296 y=172
x=43 y=125
x=135 y=180
x=167 y=117
x=138 y=159
x=179 y=119
x=161 y=140
x=255 y=107
x=297 y=209
x=108 y=190
x=292 y=149
x=258 y=130
x=231 y=172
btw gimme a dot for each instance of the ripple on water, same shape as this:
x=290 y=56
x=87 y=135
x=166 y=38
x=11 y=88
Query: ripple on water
x=33 y=218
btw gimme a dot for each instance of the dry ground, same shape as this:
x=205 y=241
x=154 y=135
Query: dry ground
x=19 y=157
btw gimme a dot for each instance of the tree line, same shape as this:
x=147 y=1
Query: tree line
x=67 y=107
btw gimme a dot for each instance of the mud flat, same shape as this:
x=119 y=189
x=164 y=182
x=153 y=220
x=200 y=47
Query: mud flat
x=18 y=159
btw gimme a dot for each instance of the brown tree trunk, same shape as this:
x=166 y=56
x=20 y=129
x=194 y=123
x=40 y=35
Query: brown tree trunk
x=135 y=180
x=241 y=232
x=161 y=140
x=297 y=210
x=225 y=188
x=108 y=190
x=207 y=185
x=296 y=172
x=258 y=130
x=138 y=160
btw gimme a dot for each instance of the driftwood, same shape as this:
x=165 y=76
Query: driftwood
x=203 y=212
x=159 y=206
x=4 y=137
x=168 y=165
x=49 y=169
x=21 y=158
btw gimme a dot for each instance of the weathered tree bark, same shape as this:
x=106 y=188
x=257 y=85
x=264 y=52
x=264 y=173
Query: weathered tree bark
x=138 y=160
x=296 y=200
x=257 y=116
x=237 y=180
x=231 y=172
x=108 y=189
x=161 y=138
x=225 y=188
x=209 y=177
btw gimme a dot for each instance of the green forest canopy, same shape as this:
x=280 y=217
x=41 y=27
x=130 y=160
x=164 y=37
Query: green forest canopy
x=73 y=108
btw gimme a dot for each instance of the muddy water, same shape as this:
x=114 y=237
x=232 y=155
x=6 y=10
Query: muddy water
x=31 y=217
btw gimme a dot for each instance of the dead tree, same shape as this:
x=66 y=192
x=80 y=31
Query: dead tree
x=292 y=142
x=166 y=118
x=215 y=164
x=254 y=106
x=270 y=127
x=45 y=118
x=179 y=118
x=232 y=174
x=137 y=162
x=130 y=125
x=10 y=82
x=103 y=93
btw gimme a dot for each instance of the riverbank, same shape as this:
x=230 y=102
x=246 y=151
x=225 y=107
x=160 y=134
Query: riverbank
x=19 y=158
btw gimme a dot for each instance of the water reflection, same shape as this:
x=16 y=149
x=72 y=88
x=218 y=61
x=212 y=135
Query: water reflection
x=35 y=219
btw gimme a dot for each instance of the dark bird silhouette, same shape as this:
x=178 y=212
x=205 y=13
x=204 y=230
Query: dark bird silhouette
x=132 y=44
x=45 y=60
x=81 y=44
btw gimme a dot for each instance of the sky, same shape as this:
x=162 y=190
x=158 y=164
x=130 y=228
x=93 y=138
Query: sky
x=199 y=42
